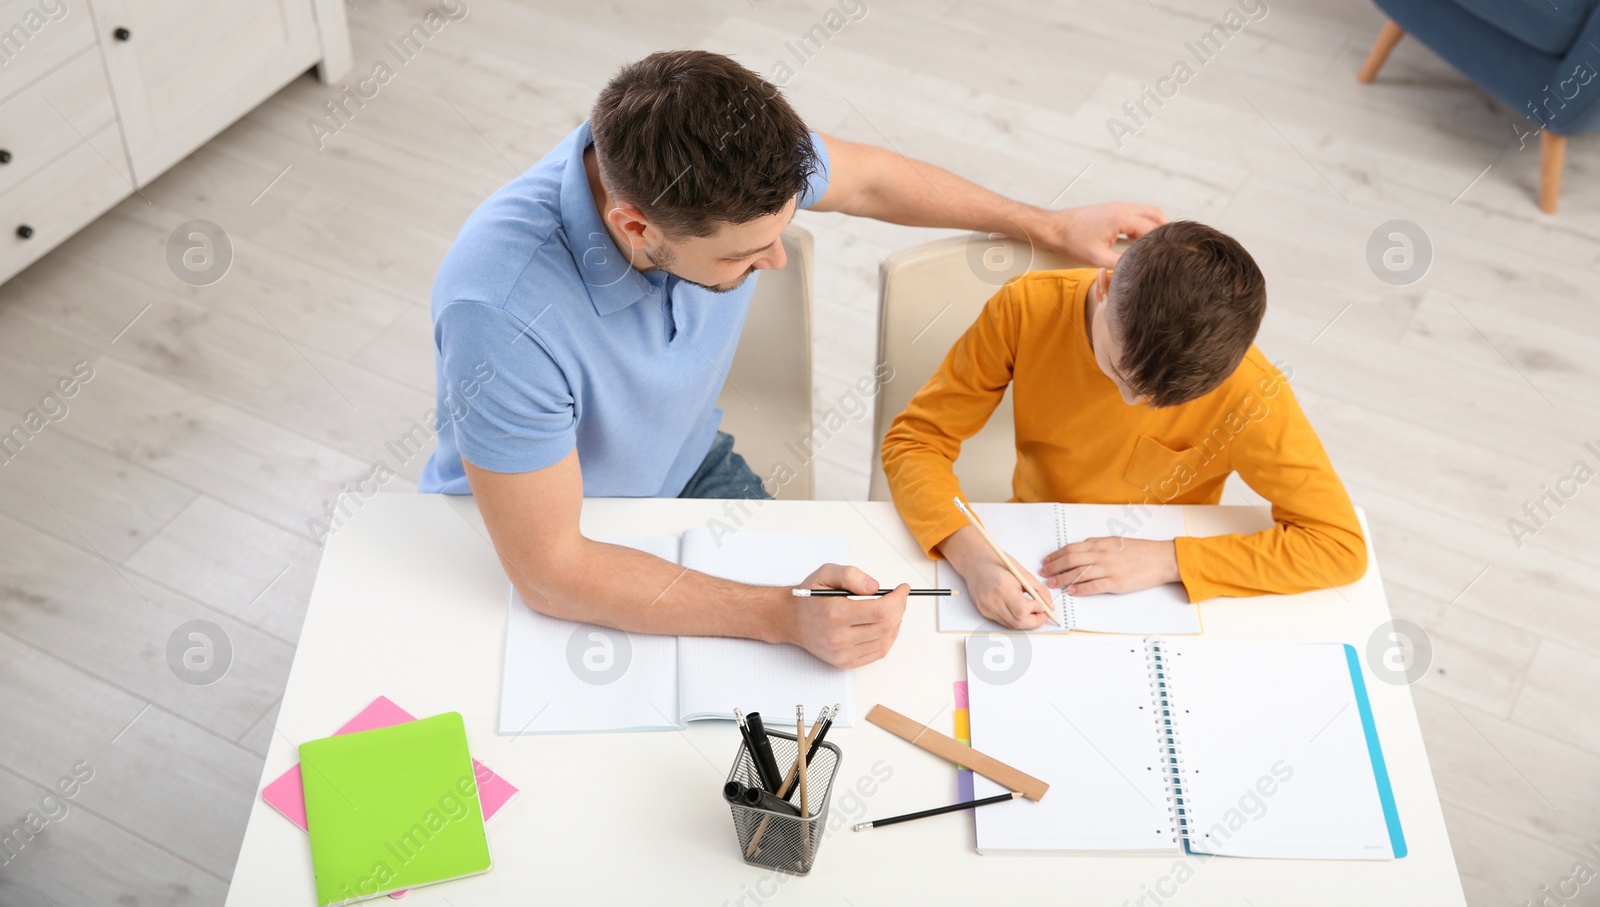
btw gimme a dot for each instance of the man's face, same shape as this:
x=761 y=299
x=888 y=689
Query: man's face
x=1103 y=337
x=723 y=260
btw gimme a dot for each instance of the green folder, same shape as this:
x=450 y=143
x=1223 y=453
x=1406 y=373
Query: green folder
x=392 y=808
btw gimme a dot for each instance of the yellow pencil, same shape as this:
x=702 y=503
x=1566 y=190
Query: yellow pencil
x=1027 y=583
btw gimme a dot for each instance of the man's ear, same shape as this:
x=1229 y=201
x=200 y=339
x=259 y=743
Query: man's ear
x=630 y=222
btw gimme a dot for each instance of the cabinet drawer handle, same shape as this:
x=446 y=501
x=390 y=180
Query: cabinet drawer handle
x=24 y=231
x=122 y=34
x=5 y=156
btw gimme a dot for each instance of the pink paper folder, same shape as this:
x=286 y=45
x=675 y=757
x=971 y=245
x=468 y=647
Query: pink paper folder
x=287 y=795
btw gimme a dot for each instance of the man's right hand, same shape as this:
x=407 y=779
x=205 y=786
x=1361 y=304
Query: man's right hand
x=561 y=573
x=994 y=590
x=846 y=632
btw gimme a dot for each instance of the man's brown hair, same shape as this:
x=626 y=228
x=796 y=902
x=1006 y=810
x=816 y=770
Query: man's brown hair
x=1186 y=302
x=692 y=139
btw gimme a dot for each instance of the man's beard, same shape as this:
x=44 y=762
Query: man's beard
x=664 y=258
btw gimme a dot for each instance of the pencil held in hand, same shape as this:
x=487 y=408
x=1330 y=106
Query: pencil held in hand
x=846 y=593
x=1028 y=585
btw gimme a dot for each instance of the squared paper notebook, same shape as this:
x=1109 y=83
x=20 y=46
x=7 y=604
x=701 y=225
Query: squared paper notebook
x=562 y=676
x=1152 y=745
x=1031 y=532
x=392 y=808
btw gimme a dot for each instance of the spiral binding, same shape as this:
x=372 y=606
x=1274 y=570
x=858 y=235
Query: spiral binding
x=1069 y=605
x=1167 y=739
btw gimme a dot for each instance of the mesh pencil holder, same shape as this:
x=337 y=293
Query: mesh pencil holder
x=778 y=840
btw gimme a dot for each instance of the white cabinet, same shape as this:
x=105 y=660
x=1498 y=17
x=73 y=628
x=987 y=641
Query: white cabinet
x=98 y=97
x=182 y=70
x=48 y=118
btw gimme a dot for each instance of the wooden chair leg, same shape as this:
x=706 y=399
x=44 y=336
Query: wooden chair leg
x=1387 y=39
x=1552 y=155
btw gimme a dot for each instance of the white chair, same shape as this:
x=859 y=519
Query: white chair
x=766 y=402
x=928 y=296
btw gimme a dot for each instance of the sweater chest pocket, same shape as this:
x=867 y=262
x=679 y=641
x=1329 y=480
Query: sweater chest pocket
x=1167 y=472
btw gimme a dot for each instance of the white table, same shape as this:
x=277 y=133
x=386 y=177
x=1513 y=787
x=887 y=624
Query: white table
x=410 y=603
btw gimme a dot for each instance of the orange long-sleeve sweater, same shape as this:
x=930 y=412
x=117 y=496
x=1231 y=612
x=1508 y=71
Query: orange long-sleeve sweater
x=1077 y=441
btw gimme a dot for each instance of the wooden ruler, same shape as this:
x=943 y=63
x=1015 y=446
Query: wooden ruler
x=949 y=748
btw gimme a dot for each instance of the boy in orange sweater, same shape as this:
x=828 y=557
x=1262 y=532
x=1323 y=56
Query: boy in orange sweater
x=1138 y=387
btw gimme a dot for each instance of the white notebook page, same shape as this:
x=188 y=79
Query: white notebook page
x=1078 y=714
x=1031 y=532
x=1161 y=609
x=1276 y=759
x=718 y=674
x=1027 y=532
x=561 y=676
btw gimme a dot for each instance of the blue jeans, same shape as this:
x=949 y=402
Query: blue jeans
x=724 y=474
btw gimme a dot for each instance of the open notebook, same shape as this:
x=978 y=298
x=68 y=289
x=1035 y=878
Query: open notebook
x=1031 y=532
x=1246 y=750
x=561 y=676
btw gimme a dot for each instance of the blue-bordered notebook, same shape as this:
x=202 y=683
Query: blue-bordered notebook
x=1149 y=744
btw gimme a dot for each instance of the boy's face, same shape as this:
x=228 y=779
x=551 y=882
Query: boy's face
x=1107 y=347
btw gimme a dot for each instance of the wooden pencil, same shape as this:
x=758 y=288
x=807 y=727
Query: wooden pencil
x=800 y=761
x=938 y=811
x=1027 y=583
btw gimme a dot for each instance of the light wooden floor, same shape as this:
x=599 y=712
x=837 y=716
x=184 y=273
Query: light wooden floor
x=220 y=420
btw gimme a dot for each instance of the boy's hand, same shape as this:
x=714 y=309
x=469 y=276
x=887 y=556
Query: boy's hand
x=994 y=590
x=847 y=632
x=1113 y=564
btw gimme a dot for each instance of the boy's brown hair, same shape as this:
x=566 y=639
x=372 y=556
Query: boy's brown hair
x=1186 y=302
x=693 y=139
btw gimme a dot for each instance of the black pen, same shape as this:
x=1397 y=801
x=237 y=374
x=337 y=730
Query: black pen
x=760 y=799
x=750 y=744
x=838 y=593
x=761 y=753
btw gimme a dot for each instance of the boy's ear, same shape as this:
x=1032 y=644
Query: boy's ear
x=1102 y=282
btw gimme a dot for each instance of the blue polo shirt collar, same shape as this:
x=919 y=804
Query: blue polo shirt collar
x=612 y=283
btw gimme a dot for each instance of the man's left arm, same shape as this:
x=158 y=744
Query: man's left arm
x=868 y=181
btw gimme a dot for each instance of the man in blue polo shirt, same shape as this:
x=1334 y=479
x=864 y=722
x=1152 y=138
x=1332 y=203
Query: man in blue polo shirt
x=587 y=314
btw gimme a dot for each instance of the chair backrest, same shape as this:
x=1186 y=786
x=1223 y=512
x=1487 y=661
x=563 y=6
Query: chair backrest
x=928 y=296
x=766 y=401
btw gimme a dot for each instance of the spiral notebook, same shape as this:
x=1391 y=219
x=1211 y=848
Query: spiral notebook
x=1154 y=745
x=1032 y=532
x=562 y=676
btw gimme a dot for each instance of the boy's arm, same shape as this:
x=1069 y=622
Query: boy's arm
x=921 y=446
x=920 y=450
x=1315 y=540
